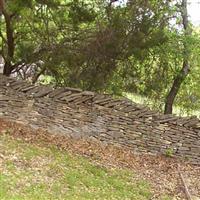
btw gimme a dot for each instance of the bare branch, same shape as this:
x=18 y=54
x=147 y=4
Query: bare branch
x=188 y=195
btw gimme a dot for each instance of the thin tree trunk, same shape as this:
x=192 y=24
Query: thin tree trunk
x=176 y=87
x=179 y=79
x=1 y=6
x=7 y=70
x=10 y=44
x=35 y=78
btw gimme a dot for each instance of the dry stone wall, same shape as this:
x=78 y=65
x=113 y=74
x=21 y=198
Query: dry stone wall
x=86 y=114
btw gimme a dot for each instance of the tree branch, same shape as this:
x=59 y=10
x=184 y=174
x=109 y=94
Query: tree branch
x=188 y=195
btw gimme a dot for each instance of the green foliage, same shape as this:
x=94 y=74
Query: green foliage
x=189 y=96
x=81 y=12
x=134 y=48
x=15 y=6
x=46 y=80
x=169 y=152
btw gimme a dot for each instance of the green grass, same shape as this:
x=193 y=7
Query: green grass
x=166 y=198
x=33 y=172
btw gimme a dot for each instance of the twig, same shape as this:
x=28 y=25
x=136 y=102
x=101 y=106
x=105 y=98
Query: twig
x=2 y=156
x=188 y=195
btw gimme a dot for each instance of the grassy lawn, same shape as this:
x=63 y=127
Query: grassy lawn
x=36 y=172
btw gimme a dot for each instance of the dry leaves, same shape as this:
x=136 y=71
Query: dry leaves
x=160 y=171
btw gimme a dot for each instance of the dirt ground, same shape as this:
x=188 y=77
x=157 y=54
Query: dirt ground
x=161 y=171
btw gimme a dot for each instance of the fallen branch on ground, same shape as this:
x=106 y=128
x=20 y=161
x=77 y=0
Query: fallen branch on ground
x=186 y=190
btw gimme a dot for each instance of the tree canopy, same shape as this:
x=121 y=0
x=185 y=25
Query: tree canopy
x=148 y=48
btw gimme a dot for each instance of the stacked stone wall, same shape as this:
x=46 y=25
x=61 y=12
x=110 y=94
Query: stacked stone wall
x=80 y=113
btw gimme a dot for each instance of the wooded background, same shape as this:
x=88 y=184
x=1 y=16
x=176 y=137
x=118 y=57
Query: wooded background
x=149 y=48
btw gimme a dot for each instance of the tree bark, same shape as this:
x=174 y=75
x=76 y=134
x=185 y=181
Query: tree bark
x=10 y=44
x=179 y=79
x=35 y=78
x=1 y=6
x=7 y=70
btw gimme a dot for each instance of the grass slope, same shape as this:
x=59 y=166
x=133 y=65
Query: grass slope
x=36 y=172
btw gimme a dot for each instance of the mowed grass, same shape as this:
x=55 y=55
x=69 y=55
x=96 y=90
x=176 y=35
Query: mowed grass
x=36 y=172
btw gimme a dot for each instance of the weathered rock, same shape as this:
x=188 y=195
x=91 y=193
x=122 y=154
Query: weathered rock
x=80 y=113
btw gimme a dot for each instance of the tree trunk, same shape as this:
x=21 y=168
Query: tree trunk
x=7 y=70
x=176 y=87
x=185 y=68
x=1 y=6
x=10 y=44
x=35 y=78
